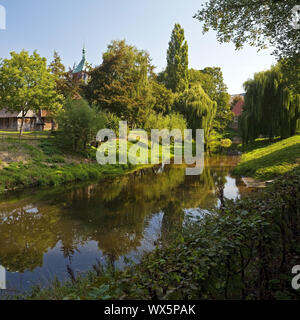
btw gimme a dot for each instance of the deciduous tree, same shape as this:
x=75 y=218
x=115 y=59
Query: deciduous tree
x=121 y=83
x=27 y=84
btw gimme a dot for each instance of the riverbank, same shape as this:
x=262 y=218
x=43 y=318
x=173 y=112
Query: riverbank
x=240 y=252
x=37 y=161
x=264 y=160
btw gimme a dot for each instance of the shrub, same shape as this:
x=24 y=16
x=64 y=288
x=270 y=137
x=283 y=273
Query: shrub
x=78 y=124
x=226 y=143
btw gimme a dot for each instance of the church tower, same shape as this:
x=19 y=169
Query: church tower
x=79 y=71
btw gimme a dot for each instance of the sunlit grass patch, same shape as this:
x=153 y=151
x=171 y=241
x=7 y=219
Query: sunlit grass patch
x=272 y=160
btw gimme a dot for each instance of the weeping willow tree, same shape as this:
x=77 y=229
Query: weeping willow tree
x=271 y=109
x=198 y=109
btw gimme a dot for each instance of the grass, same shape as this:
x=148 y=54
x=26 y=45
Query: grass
x=40 y=162
x=265 y=160
x=27 y=135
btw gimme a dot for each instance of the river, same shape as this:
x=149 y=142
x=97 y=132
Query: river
x=45 y=231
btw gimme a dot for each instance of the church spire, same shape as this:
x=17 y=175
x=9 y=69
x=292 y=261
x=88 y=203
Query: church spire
x=81 y=65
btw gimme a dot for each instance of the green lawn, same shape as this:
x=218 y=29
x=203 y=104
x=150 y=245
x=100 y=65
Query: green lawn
x=40 y=162
x=268 y=161
x=28 y=135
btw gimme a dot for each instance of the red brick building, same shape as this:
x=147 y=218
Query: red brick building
x=237 y=110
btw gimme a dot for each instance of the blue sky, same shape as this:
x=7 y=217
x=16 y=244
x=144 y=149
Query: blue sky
x=64 y=25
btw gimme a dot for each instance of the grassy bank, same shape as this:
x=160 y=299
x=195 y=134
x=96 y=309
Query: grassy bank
x=264 y=160
x=245 y=251
x=37 y=160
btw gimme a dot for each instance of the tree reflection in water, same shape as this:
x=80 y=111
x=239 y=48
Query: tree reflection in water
x=114 y=213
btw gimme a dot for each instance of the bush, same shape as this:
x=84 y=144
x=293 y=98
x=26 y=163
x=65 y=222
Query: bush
x=226 y=143
x=112 y=122
x=78 y=124
x=170 y=122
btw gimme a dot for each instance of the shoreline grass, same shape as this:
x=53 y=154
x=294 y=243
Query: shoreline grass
x=40 y=162
x=265 y=161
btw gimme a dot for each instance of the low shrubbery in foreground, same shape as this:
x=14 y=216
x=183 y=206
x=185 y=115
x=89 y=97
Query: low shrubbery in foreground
x=244 y=251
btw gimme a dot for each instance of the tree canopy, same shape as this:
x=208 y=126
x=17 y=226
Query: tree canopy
x=255 y=22
x=177 y=74
x=66 y=83
x=198 y=109
x=27 y=84
x=271 y=109
x=212 y=81
x=121 y=83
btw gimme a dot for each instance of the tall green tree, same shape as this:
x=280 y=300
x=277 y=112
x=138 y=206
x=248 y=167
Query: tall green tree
x=257 y=22
x=212 y=81
x=260 y=23
x=177 y=73
x=198 y=109
x=27 y=84
x=121 y=83
x=271 y=108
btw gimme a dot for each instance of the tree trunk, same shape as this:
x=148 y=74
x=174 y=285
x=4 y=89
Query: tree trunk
x=22 y=123
x=53 y=124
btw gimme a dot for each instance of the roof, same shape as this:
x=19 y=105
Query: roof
x=6 y=114
x=81 y=64
x=238 y=108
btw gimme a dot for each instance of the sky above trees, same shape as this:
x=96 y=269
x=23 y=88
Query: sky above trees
x=64 y=26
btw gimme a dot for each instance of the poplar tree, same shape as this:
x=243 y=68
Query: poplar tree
x=177 y=73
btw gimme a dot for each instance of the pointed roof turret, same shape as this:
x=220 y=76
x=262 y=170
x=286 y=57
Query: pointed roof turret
x=81 y=65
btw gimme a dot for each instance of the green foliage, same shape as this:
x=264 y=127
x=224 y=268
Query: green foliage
x=177 y=74
x=212 y=82
x=164 y=98
x=112 y=122
x=226 y=143
x=170 y=122
x=66 y=84
x=198 y=109
x=26 y=84
x=273 y=160
x=255 y=22
x=120 y=84
x=78 y=125
x=271 y=109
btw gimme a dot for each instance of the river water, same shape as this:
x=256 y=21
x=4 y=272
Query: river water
x=44 y=232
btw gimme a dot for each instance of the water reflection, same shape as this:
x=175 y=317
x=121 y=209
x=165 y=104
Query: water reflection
x=42 y=233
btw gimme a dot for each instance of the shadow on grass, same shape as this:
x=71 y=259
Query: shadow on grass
x=271 y=165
